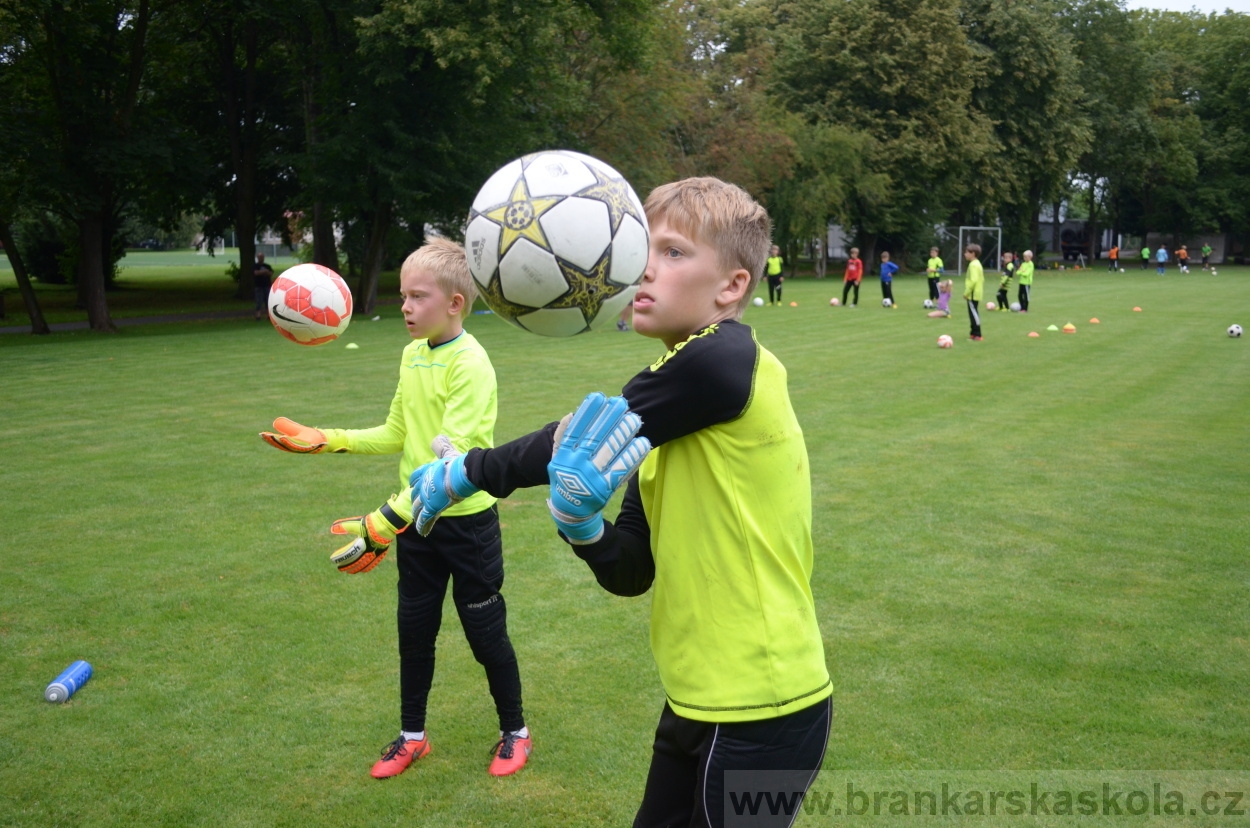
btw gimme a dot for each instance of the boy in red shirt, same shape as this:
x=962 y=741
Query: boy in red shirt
x=854 y=273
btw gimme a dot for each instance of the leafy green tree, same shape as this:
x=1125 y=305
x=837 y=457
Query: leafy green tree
x=903 y=73
x=80 y=67
x=1029 y=90
x=1223 y=89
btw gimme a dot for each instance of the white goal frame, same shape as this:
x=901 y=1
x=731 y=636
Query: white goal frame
x=990 y=260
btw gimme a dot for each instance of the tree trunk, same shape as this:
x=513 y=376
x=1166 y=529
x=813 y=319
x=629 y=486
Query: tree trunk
x=868 y=251
x=1093 y=222
x=325 y=252
x=37 y=323
x=245 y=229
x=375 y=253
x=819 y=258
x=243 y=155
x=1056 y=226
x=91 y=271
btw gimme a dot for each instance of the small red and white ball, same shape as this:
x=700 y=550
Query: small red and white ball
x=945 y=341
x=310 y=304
x=991 y=306
x=834 y=302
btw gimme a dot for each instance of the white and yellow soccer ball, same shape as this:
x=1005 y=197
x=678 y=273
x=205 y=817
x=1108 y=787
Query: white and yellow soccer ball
x=1234 y=331
x=310 y=304
x=557 y=243
x=945 y=341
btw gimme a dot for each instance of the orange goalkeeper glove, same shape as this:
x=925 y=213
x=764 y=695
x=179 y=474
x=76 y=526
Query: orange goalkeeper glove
x=374 y=534
x=302 y=439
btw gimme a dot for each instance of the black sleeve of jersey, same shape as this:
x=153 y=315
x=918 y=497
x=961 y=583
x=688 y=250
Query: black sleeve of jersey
x=518 y=464
x=707 y=382
x=621 y=559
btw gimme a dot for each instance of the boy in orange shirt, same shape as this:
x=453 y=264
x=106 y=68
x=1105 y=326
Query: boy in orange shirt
x=854 y=274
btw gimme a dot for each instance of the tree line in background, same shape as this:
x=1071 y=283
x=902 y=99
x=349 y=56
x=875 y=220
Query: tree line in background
x=381 y=117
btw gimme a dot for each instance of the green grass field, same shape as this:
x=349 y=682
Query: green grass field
x=1031 y=554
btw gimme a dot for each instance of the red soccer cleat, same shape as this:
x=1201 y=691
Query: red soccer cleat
x=398 y=755
x=510 y=754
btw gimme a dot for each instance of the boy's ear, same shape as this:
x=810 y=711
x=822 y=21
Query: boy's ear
x=733 y=291
x=457 y=303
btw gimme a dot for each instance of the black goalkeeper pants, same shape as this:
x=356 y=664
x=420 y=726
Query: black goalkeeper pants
x=774 y=288
x=468 y=551
x=692 y=763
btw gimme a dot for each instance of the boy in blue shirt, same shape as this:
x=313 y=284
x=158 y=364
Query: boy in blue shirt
x=888 y=269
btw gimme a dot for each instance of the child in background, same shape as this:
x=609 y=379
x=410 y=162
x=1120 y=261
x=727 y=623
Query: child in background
x=774 y=274
x=944 y=300
x=716 y=523
x=1025 y=273
x=1206 y=256
x=854 y=273
x=888 y=269
x=1145 y=257
x=1182 y=259
x=933 y=270
x=1004 y=284
x=1161 y=260
x=1113 y=256
x=974 y=283
x=446 y=390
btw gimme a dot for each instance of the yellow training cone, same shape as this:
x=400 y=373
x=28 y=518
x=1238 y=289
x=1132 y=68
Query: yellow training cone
x=1069 y=328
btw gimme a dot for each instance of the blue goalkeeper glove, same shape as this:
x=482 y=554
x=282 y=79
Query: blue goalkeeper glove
x=438 y=485
x=595 y=452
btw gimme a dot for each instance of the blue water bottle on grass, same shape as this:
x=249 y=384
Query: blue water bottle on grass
x=68 y=682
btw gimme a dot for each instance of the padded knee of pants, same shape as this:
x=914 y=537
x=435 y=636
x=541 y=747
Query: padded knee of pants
x=486 y=628
x=419 y=619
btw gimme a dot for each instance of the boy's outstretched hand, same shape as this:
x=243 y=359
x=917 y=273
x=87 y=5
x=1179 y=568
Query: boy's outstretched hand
x=596 y=450
x=374 y=534
x=439 y=484
x=302 y=439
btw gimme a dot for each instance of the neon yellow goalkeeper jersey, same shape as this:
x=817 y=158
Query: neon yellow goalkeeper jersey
x=448 y=389
x=717 y=523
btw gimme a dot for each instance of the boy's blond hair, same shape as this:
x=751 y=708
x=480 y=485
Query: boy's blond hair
x=719 y=214
x=974 y=249
x=446 y=260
